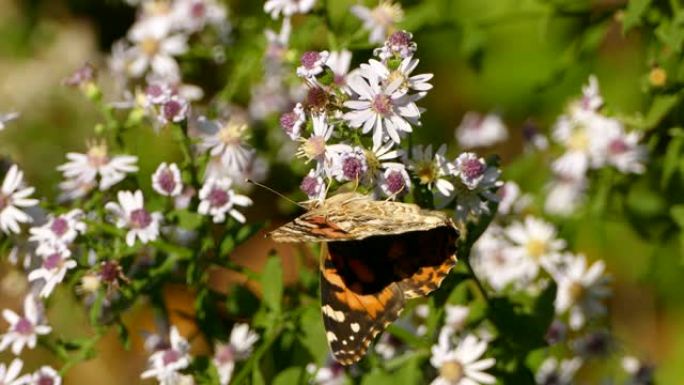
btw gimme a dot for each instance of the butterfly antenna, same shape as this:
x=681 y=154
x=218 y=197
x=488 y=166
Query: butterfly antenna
x=276 y=193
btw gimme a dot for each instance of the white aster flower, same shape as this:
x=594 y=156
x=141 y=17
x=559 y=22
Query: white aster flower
x=565 y=195
x=165 y=363
x=581 y=290
x=287 y=7
x=509 y=194
x=312 y=64
x=24 y=330
x=45 y=376
x=481 y=131
x=617 y=148
x=227 y=141
x=455 y=319
x=313 y=186
x=59 y=229
x=399 y=44
x=380 y=20
x=6 y=118
x=339 y=62
x=402 y=74
x=395 y=180
x=331 y=374
x=533 y=241
x=432 y=170
x=554 y=372
x=85 y=168
x=173 y=110
x=493 y=261
x=13 y=196
x=381 y=109
x=461 y=365
x=292 y=122
x=591 y=96
x=130 y=213
x=155 y=48
x=242 y=339
x=166 y=180
x=478 y=180
x=316 y=147
x=56 y=262
x=350 y=165
x=194 y=15
x=217 y=199
x=9 y=374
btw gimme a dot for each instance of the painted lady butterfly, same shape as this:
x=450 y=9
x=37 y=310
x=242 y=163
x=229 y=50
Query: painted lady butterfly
x=376 y=255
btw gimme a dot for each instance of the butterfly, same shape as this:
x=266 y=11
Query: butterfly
x=375 y=256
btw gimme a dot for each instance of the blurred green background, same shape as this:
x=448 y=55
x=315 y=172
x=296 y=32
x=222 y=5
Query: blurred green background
x=524 y=59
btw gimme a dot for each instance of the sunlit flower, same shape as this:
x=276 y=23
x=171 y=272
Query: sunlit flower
x=461 y=365
x=59 y=229
x=24 y=330
x=432 y=170
x=534 y=240
x=217 y=199
x=9 y=374
x=312 y=64
x=165 y=363
x=493 y=261
x=227 y=141
x=166 y=180
x=242 y=339
x=130 y=213
x=287 y=7
x=380 y=20
x=155 y=47
x=565 y=195
x=554 y=372
x=581 y=290
x=6 y=118
x=316 y=147
x=400 y=44
x=640 y=373
x=14 y=196
x=85 y=168
x=617 y=148
x=481 y=131
x=45 y=376
x=477 y=184
x=55 y=264
x=292 y=122
x=402 y=74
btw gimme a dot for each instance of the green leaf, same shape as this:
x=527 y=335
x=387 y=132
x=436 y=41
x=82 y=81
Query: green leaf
x=378 y=377
x=312 y=335
x=289 y=376
x=677 y=213
x=671 y=160
x=660 y=107
x=188 y=220
x=272 y=283
x=634 y=13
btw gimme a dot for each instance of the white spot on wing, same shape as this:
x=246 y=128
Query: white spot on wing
x=336 y=315
x=331 y=336
x=355 y=327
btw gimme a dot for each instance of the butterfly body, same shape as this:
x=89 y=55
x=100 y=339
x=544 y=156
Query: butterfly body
x=376 y=255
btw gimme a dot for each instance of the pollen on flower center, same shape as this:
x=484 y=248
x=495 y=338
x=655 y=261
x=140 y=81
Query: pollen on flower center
x=426 y=172
x=167 y=181
x=352 y=168
x=395 y=182
x=314 y=147
x=451 y=371
x=577 y=291
x=386 y=13
x=97 y=155
x=218 y=197
x=150 y=46
x=59 y=226
x=310 y=58
x=397 y=75
x=232 y=132
x=536 y=248
x=23 y=326
x=579 y=140
x=140 y=218
x=382 y=104
x=400 y=38
x=473 y=168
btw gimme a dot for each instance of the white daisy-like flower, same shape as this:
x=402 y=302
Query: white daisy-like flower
x=533 y=241
x=72 y=189
x=581 y=290
x=9 y=374
x=493 y=261
x=194 y=15
x=332 y=373
x=56 y=262
x=6 y=118
x=477 y=182
x=399 y=44
x=640 y=373
x=339 y=62
x=312 y=64
x=217 y=199
x=617 y=148
x=14 y=196
x=85 y=168
x=313 y=186
x=130 y=213
x=45 y=376
x=173 y=110
x=24 y=330
x=461 y=365
x=509 y=194
x=395 y=180
x=387 y=76
x=59 y=229
x=287 y=7
x=381 y=109
x=350 y=165
x=432 y=170
x=292 y=122
x=155 y=48
x=565 y=195
x=242 y=339
x=227 y=141
x=165 y=364
x=455 y=319
x=166 y=180
x=481 y=131
x=473 y=170
x=380 y=20
x=316 y=147
x=591 y=96
x=555 y=372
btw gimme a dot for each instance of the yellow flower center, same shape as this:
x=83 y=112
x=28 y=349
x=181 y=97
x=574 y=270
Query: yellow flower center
x=577 y=291
x=90 y=283
x=451 y=371
x=313 y=148
x=149 y=46
x=397 y=75
x=387 y=13
x=536 y=248
x=97 y=154
x=232 y=132
x=579 y=140
x=426 y=172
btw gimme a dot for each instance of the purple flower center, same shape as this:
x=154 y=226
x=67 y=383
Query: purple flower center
x=617 y=146
x=154 y=91
x=225 y=354
x=287 y=121
x=317 y=98
x=24 y=326
x=170 y=356
x=382 y=104
x=395 y=182
x=340 y=80
x=473 y=168
x=166 y=181
x=59 y=226
x=52 y=261
x=140 y=219
x=352 y=168
x=309 y=59
x=45 y=380
x=4 y=201
x=310 y=186
x=399 y=39
x=172 y=110
x=110 y=271
x=198 y=10
x=218 y=197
